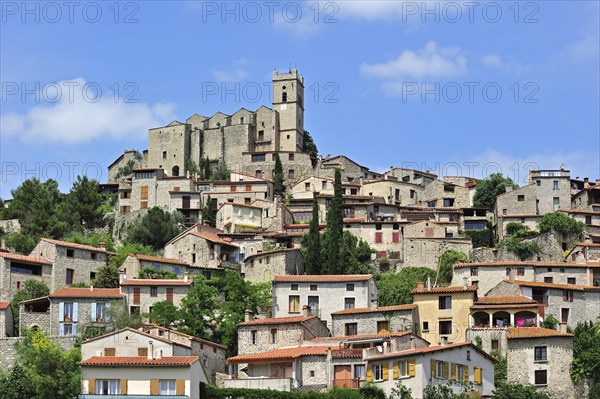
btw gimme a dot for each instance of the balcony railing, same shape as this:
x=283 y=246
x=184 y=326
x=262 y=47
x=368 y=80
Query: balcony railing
x=93 y=396
x=278 y=384
x=352 y=383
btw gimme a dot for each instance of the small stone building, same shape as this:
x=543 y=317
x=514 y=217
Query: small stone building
x=135 y=262
x=262 y=266
x=376 y=320
x=6 y=320
x=15 y=269
x=142 y=294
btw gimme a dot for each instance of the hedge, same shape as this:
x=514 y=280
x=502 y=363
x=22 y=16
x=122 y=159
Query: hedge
x=212 y=392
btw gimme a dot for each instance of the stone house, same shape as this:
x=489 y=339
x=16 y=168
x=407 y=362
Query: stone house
x=242 y=191
x=134 y=263
x=412 y=176
x=211 y=354
x=584 y=252
x=263 y=265
x=351 y=171
x=234 y=217
x=276 y=215
x=542 y=358
x=587 y=199
x=15 y=269
x=71 y=263
x=393 y=190
x=73 y=309
x=591 y=219
x=262 y=335
x=439 y=193
x=6 y=320
x=444 y=311
x=378 y=320
x=432 y=365
x=305 y=188
x=35 y=314
x=142 y=294
x=323 y=294
x=502 y=311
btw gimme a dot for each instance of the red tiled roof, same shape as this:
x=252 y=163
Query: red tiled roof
x=348 y=338
x=280 y=354
x=175 y=332
x=534 y=332
x=520 y=215
x=573 y=287
x=587 y=244
x=426 y=349
x=354 y=353
x=439 y=290
x=171 y=361
x=73 y=245
x=277 y=320
x=212 y=238
x=155 y=282
x=518 y=263
x=68 y=292
x=377 y=310
x=500 y=300
x=23 y=258
x=323 y=278
x=133 y=330
x=150 y=258
x=271 y=252
x=4 y=305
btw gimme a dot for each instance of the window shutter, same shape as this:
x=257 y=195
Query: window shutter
x=466 y=378
x=123 y=386
x=106 y=315
x=446 y=370
x=565 y=295
x=93 y=312
x=432 y=365
x=91 y=386
x=75 y=312
x=453 y=371
x=396 y=371
x=180 y=387
x=477 y=376
x=370 y=373
x=153 y=387
x=61 y=329
x=411 y=367
x=74 y=329
x=385 y=372
x=61 y=311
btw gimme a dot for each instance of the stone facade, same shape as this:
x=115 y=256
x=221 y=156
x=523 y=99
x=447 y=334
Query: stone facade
x=263 y=266
x=8 y=350
x=16 y=269
x=373 y=321
x=6 y=320
x=142 y=294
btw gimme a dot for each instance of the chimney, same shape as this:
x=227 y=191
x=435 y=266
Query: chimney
x=150 y=349
x=91 y=288
x=420 y=286
x=185 y=276
x=248 y=316
x=508 y=189
x=102 y=245
x=444 y=340
x=466 y=282
x=586 y=182
x=562 y=327
x=374 y=304
x=428 y=283
x=511 y=274
x=122 y=276
x=305 y=310
x=413 y=344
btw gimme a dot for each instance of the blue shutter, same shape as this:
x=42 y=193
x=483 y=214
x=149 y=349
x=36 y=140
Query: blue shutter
x=106 y=315
x=93 y=312
x=75 y=312
x=74 y=329
x=61 y=328
x=177 y=270
x=61 y=312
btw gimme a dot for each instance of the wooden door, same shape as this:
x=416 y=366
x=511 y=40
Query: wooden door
x=136 y=296
x=170 y=295
x=342 y=376
x=383 y=327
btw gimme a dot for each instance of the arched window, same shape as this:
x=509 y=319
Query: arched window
x=175 y=171
x=284 y=97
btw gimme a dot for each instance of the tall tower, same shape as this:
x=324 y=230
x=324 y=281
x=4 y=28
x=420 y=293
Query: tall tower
x=288 y=101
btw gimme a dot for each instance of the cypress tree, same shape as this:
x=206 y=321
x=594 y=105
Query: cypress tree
x=313 y=261
x=335 y=226
x=209 y=216
x=278 y=186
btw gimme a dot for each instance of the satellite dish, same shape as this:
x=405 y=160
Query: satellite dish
x=380 y=349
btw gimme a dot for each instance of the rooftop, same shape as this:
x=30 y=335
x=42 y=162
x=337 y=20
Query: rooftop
x=155 y=282
x=534 y=332
x=375 y=310
x=73 y=245
x=4 y=305
x=443 y=290
x=171 y=361
x=68 y=292
x=324 y=278
x=23 y=258
x=285 y=354
x=160 y=259
x=277 y=320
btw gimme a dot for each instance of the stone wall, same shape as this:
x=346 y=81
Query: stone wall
x=367 y=322
x=266 y=265
x=319 y=366
x=8 y=350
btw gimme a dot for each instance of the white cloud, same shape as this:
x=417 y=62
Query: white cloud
x=76 y=118
x=300 y=25
x=231 y=76
x=430 y=62
x=373 y=10
x=492 y=60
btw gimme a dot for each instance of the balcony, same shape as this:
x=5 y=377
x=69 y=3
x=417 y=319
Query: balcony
x=92 y=396
x=277 y=384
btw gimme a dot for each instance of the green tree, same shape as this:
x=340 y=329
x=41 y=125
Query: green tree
x=488 y=189
x=83 y=204
x=518 y=391
x=311 y=243
x=278 y=177
x=163 y=313
x=560 y=223
x=335 y=227
x=513 y=227
x=107 y=277
x=401 y=391
x=16 y=384
x=500 y=368
x=354 y=255
x=94 y=239
x=30 y=289
x=198 y=309
x=209 y=215
x=446 y=264
x=550 y=322
x=156 y=228
x=310 y=147
x=53 y=373
x=118 y=318
x=396 y=288
x=371 y=391
x=21 y=242
x=222 y=172
x=152 y=273
x=586 y=352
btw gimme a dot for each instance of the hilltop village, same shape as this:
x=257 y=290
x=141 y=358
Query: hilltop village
x=523 y=284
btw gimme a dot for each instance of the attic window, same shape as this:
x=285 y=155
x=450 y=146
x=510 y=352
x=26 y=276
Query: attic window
x=70 y=253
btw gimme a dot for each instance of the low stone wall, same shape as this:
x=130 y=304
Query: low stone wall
x=8 y=349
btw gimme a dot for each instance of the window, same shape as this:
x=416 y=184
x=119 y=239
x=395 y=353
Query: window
x=446 y=327
x=291 y=156
x=167 y=387
x=403 y=368
x=588 y=219
x=378 y=237
x=508 y=270
x=474 y=271
x=100 y=312
x=294 y=287
x=164 y=155
x=448 y=202
x=460 y=372
x=306 y=186
x=107 y=387
x=258 y=173
x=350 y=287
x=520 y=198
x=495 y=344
x=413 y=193
x=253 y=337
x=564 y=315
x=377 y=372
x=439 y=369
x=504 y=211
x=291 y=174
x=541 y=377
x=445 y=302
x=425 y=326
x=520 y=271
x=555 y=185
x=69 y=276
x=68 y=329
x=351 y=328
x=134 y=310
x=70 y=253
x=378 y=226
x=395 y=237
x=294 y=302
x=349 y=303
x=93 y=255
x=548 y=280
x=324 y=184
x=258 y=157
x=312 y=374
x=68 y=311
x=383 y=327
x=571 y=280
x=261 y=135
x=360 y=371
x=154 y=291
x=313 y=287
x=477 y=376
x=273 y=335
x=284 y=97
x=556 y=203
x=541 y=353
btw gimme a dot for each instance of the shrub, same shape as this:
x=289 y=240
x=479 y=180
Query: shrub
x=560 y=223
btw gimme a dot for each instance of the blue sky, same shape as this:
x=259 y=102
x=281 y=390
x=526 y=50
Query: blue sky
x=463 y=88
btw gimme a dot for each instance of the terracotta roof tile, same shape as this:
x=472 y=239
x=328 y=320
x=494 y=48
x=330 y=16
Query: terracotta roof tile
x=170 y=361
x=212 y=238
x=4 y=305
x=354 y=353
x=517 y=264
x=318 y=278
x=271 y=252
x=348 y=338
x=23 y=258
x=573 y=287
x=280 y=354
x=426 y=349
x=155 y=282
x=451 y=289
x=150 y=258
x=501 y=300
x=534 y=332
x=73 y=245
x=134 y=331
x=277 y=320
x=68 y=292
x=409 y=306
